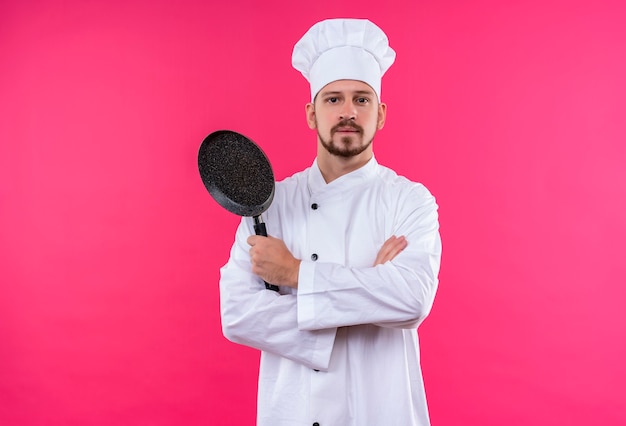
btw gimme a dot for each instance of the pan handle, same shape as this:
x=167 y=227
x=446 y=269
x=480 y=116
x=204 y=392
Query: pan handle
x=259 y=229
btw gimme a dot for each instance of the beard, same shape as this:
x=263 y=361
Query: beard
x=344 y=148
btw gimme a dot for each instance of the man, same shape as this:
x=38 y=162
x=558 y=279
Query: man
x=354 y=249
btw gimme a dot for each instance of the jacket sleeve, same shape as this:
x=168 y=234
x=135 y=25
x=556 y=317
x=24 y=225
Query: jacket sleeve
x=264 y=319
x=398 y=293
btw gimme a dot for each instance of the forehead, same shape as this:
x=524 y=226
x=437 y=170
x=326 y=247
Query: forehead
x=346 y=87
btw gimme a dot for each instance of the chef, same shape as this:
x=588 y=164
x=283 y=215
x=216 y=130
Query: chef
x=354 y=249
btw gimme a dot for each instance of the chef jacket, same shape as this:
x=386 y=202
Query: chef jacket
x=342 y=349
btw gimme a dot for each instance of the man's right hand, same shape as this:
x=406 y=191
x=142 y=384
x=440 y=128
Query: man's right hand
x=272 y=261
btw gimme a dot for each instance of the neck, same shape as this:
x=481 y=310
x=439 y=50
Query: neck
x=333 y=167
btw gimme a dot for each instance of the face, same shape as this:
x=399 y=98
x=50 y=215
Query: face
x=346 y=115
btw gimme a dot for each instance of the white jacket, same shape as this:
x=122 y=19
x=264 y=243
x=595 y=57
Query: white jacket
x=342 y=349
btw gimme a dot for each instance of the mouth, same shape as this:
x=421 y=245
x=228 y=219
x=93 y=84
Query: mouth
x=346 y=129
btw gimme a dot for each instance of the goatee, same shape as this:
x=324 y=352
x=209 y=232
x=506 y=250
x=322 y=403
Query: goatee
x=344 y=150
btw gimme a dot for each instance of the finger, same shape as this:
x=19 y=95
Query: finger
x=381 y=256
x=399 y=245
x=390 y=249
x=388 y=245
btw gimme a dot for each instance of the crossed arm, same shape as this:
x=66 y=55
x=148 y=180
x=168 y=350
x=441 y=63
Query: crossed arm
x=272 y=260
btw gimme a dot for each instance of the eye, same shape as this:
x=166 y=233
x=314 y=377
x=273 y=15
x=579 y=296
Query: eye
x=332 y=100
x=362 y=100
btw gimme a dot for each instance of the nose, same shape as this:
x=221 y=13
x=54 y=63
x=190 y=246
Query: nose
x=347 y=112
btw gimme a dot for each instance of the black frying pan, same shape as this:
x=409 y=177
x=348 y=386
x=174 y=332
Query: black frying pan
x=238 y=175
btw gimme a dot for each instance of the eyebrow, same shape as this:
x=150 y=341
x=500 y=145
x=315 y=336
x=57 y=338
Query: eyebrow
x=356 y=92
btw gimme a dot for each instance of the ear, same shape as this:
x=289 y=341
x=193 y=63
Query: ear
x=382 y=115
x=310 y=115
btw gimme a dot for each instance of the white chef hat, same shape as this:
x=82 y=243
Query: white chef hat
x=338 y=49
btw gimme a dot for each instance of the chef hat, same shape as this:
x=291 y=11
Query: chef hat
x=338 y=49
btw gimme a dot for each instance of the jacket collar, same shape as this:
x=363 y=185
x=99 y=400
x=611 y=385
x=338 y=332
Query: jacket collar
x=318 y=186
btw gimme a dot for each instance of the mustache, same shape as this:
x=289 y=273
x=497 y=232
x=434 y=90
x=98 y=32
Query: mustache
x=344 y=124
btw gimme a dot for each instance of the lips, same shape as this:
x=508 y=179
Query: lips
x=346 y=128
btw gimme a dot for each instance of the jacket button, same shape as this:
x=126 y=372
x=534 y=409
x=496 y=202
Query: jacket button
x=314 y=206
x=314 y=257
x=316 y=424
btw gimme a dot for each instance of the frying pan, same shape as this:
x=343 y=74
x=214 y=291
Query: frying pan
x=238 y=175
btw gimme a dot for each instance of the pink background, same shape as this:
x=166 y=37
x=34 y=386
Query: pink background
x=511 y=113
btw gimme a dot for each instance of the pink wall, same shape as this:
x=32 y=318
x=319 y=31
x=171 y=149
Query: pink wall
x=512 y=113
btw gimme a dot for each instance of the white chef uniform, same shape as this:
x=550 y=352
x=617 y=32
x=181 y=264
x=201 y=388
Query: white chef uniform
x=342 y=349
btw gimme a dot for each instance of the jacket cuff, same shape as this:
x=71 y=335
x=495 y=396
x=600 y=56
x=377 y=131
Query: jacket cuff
x=305 y=298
